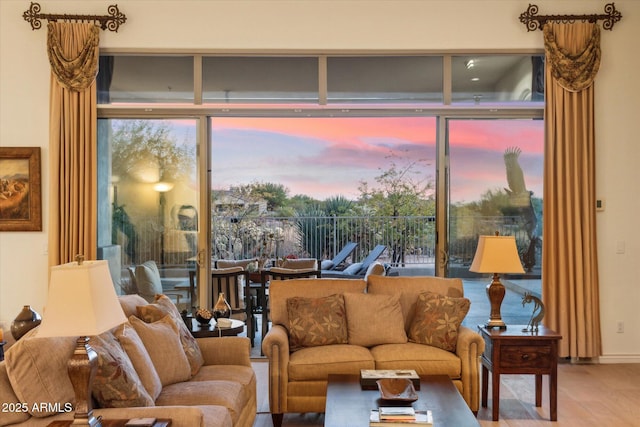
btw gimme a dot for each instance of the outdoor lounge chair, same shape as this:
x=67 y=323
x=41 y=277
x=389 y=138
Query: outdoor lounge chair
x=340 y=257
x=358 y=269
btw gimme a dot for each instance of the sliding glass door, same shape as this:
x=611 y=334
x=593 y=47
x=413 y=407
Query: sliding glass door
x=306 y=186
x=154 y=211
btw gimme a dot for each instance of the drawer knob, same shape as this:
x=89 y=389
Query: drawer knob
x=525 y=357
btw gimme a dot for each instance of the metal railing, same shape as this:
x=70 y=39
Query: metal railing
x=410 y=240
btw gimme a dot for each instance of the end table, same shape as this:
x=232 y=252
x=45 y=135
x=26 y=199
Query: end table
x=514 y=351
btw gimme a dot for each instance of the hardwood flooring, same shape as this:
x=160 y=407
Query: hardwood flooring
x=589 y=395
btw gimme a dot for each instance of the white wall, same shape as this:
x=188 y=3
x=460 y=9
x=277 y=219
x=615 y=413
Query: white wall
x=322 y=25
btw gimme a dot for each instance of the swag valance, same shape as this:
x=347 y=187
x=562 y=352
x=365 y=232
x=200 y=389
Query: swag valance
x=76 y=72
x=574 y=72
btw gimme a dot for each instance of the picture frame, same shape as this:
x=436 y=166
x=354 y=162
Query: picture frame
x=20 y=189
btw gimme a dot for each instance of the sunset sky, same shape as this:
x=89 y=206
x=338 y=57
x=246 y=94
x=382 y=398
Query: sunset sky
x=323 y=157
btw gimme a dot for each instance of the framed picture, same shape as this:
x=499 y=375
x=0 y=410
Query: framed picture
x=20 y=196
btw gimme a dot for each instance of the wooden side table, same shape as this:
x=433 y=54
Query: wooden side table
x=112 y=423
x=513 y=351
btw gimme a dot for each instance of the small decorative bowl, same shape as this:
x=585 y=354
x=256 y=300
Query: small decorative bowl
x=397 y=389
x=201 y=320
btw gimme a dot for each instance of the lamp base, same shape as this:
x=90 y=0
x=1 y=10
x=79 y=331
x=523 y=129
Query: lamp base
x=495 y=293
x=81 y=369
x=493 y=323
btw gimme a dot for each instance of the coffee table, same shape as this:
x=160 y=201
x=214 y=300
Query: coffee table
x=350 y=406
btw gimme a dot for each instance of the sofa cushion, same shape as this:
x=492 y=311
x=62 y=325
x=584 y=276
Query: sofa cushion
x=316 y=321
x=116 y=383
x=162 y=306
x=437 y=319
x=374 y=319
x=13 y=412
x=37 y=370
x=162 y=341
x=228 y=394
x=316 y=363
x=148 y=280
x=281 y=290
x=139 y=356
x=426 y=360
x=410 y=287
x=244 y=375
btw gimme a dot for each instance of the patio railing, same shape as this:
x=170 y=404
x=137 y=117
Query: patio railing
x=410 y=240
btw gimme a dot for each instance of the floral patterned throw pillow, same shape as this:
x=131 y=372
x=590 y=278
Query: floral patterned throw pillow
x=437 y=319
x=116 y=383
x=316 y=321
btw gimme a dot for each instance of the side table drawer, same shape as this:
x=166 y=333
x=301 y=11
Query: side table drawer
x=526 y=356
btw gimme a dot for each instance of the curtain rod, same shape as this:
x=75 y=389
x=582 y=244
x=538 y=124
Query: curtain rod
x=109 y=22
x=533 y=22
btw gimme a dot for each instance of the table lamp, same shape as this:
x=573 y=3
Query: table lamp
x=496 y=254
x=82 y=302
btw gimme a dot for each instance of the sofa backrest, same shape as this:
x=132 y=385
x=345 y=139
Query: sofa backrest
x=410 y=287
x=281 y=290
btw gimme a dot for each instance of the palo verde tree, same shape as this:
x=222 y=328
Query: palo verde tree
x=401 y=201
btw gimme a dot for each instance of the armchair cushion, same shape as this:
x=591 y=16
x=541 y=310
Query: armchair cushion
x=299 y=263
x=437 y=319
x=162 y=342
x=116 y=383
x=374 y=319
x=316 y=321
x=148 y=280
x=162 y=307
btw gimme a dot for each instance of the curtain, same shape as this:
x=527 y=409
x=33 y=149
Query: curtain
x=570 y=262
x=73 y=55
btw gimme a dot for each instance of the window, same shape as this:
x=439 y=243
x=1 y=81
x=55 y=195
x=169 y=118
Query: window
x=234 y=107
x=251 y=80
x=145 y=79
x=385 y=80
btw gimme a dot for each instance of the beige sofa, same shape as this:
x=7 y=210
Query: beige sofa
x=145 y=369
x=391 y=323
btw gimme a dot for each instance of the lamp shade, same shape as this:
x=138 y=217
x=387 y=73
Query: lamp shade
x=82 y=301
x=496 y=254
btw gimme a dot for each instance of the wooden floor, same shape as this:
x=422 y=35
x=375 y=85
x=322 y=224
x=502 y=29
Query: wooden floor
x=588 y=396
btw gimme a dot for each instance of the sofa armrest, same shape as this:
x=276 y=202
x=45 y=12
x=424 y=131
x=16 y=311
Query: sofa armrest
x=275 y=346
x=225 y=350
x=469 y=348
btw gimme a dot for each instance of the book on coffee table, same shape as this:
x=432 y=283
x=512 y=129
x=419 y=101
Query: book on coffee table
x=402 y=413
x=368 y=377
x=421 y=418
